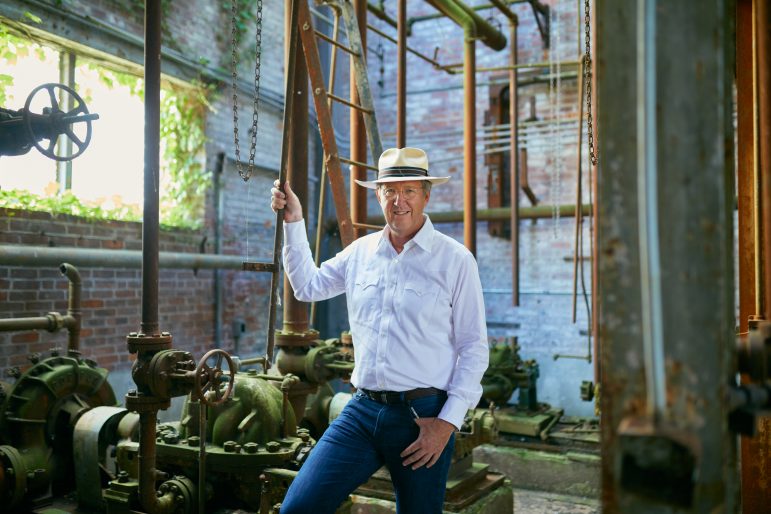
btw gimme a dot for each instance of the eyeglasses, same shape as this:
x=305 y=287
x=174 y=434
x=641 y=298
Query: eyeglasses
x=408 y=193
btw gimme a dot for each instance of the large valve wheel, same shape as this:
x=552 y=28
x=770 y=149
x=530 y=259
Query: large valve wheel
x=209 y=378
x=54 y=122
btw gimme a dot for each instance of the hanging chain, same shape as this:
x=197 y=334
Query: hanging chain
x=246 y=172
x=588 y=86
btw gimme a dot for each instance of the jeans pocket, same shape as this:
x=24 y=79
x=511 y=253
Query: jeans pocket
x=428 y=406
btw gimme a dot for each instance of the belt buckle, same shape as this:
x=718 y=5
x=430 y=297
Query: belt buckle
x=383 y=397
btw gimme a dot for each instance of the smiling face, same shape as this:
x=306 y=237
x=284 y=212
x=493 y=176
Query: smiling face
x=403 y=203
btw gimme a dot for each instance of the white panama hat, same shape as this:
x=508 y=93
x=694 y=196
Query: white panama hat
x=402 y=164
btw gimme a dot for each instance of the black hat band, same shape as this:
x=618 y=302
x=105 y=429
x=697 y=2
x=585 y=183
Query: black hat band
x=402 y=171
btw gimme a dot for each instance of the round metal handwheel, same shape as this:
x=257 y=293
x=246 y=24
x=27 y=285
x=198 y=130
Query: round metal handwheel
x=54 y=122
x=208 y=378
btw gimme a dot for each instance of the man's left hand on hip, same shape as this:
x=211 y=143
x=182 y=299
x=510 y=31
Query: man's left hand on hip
x=428 y=447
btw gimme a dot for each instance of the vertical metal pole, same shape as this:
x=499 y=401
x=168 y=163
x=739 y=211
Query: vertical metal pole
x=579 y=207
x=755 y=454
x=358 y=133
x=469 y=144
x=514 y=165
x=294 y=42
x=151 y=218
x=66 y=76
x=401 y=74
x=218 y=215
x=764 y=141
x=295 y=319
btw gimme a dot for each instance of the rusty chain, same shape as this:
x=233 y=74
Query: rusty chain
x=246 y=172
x=588 y=85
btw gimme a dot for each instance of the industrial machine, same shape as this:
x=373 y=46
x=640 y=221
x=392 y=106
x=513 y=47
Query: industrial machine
x=64 y=114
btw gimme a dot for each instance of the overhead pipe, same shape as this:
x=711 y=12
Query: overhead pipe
x=498 y=214
x=474 y=27
x=380 y=13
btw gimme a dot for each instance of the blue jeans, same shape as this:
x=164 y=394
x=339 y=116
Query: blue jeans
x=366 y=436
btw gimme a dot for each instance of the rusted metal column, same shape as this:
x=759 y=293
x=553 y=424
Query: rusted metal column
x=513 y=162
x=763 y=22
x=693 y=124
x=595 y=221
x=469 y=145
x=753 y=79
x=358 y=133
x=401 y=74
x=295 y=311
x=150 y=219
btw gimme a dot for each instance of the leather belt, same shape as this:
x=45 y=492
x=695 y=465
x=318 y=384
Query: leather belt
x=402 y=397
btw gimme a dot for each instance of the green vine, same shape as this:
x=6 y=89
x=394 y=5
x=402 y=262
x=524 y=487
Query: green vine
x=183 y=138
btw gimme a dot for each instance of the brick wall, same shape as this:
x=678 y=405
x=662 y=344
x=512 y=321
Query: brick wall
x=201 y=30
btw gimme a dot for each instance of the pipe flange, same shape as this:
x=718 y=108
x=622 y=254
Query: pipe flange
x=141 y=342
x=295 y=339
x=137 y=402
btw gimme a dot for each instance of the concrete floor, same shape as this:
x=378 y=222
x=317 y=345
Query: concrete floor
x=538 y=502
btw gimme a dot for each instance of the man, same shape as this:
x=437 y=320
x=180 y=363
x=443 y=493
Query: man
x=420 y=344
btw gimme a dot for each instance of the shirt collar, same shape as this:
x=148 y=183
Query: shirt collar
x=424 y=238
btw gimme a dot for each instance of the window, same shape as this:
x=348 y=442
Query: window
x=106 y=181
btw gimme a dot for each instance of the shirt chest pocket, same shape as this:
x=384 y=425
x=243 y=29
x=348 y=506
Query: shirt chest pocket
x=419 y=300
x=366 y=298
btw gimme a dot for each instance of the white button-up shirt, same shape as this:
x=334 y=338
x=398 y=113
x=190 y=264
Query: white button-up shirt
x=417 y=317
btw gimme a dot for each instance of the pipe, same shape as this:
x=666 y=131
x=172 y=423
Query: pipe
x=150 y=217
x=513 y=148
x=42 y=256
x=358 y=131
x=435 y=64
x=497 y=214
x=73 y=306
x=401 y=75
x=481 y=7
x=459 y=15
x=577 y=250
x=476 y=27
x=381 y=14
x=148 y=498
x=295 y=317
x=218 y=215
x=763 y=20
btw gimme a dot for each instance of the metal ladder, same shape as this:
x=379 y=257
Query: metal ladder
x=333 y=160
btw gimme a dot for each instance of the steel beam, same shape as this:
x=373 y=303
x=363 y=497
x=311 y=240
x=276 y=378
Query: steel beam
x=693 y=132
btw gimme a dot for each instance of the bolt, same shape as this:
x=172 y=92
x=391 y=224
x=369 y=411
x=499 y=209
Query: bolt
x=306 y=26
x=193 y=440
x=34 y=358
x=170 y=438
x=273 y=446
x=304 y=436
x=229 y=446
x=13 y=372
x=122 y=477
x=251 y=447
x=317 y=91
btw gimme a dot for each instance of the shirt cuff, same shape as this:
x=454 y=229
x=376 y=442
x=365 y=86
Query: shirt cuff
x=454 y=411
x=294 y=232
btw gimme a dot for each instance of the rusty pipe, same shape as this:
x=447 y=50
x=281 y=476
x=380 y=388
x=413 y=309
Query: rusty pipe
x=295 y=317
x=469 y=147
x=358 y=132
x=53 y=321
x=497 y=214
x=73 y=305
x=148 y=475
x=763 y=18
x=150 y=216
x=401 y=75
x=476 y=27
